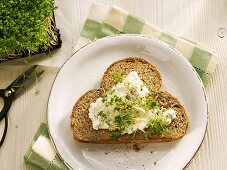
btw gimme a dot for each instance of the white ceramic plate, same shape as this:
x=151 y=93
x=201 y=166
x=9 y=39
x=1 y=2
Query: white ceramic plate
x=84 y=71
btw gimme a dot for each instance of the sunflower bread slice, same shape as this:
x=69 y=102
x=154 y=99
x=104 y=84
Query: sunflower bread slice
x=84 y=132
x=147 y=72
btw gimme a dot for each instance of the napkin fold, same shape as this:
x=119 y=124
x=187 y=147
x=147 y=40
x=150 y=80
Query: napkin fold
x=41 y=154
x=106 y=21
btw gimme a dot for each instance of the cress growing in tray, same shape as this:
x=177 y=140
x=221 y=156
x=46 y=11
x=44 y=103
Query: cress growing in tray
x=27 y=27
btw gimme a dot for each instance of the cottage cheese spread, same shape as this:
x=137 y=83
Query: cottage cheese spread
x=127 y=108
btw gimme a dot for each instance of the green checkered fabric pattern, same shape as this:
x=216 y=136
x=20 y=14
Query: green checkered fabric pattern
x=107 y=21
x=41 y=155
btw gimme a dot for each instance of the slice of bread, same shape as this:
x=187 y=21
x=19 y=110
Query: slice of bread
x=82 y=125
x=147 y=72
x=84 y=132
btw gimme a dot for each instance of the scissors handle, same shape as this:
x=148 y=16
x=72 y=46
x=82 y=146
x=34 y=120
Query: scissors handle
x=7 y=96
x=5 y=131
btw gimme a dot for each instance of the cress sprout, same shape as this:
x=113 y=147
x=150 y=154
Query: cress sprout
x=27 y=27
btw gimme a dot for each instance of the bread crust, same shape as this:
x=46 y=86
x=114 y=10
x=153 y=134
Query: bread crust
x=147 y=72
x=81 y=124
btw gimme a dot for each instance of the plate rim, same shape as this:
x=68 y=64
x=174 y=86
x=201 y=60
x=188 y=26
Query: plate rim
x=129 y=35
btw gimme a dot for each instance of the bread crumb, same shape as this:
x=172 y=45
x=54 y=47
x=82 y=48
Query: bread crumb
x=136 y=148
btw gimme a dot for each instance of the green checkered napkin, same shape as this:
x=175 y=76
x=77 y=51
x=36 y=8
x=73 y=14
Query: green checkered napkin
x=41 y=154
x=104 y=21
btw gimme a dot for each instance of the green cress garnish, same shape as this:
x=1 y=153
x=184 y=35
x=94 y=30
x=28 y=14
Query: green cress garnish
x=125 y=111
x=115 y=135
x=118 y=77
x=158 y=125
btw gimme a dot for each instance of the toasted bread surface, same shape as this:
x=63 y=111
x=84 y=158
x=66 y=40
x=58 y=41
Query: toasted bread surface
x=147 y=72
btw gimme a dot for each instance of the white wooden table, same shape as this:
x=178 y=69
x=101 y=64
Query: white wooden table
x=198 y=20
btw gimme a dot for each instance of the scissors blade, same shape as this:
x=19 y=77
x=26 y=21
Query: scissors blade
x=28 y=82
x=20 y=79
x=25 y=80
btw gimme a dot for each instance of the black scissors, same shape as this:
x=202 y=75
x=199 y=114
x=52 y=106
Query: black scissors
x=15 y=88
